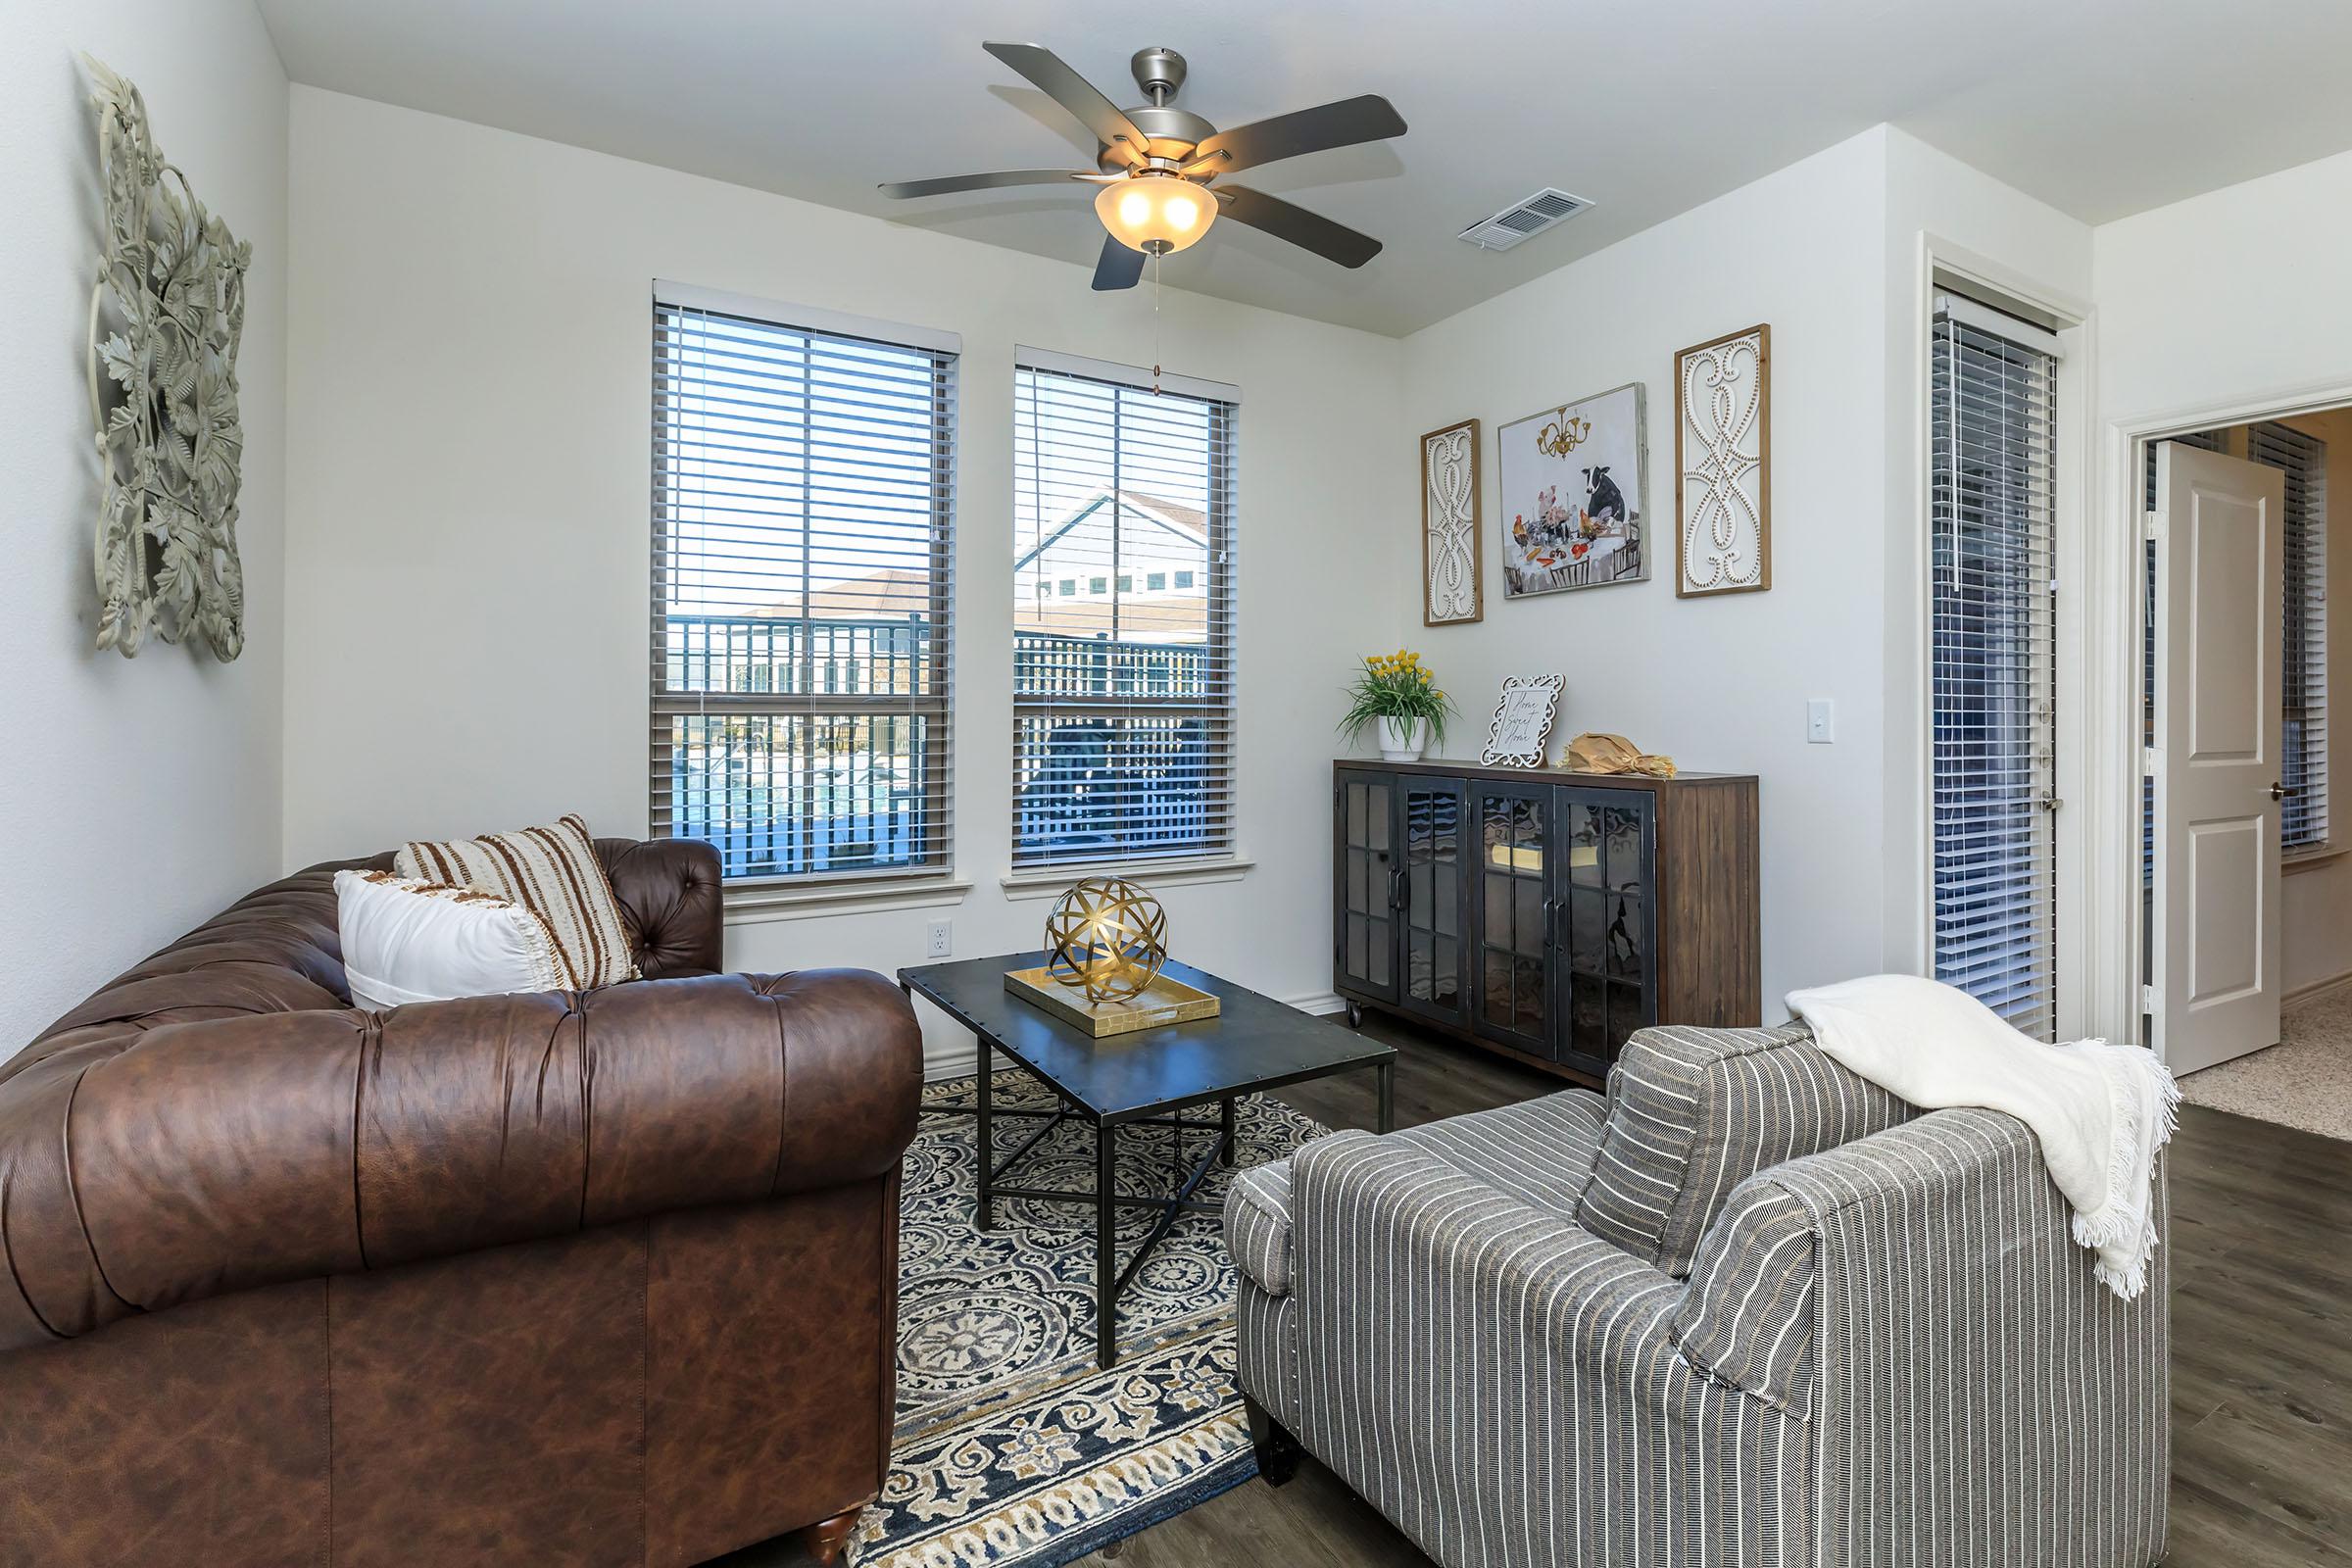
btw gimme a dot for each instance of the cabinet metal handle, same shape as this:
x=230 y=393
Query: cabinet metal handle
x=1401 y=891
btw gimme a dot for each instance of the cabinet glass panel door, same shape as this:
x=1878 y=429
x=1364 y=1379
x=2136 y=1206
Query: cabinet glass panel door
x=1433 y=978
x=1511 y=906
x=1366 y=938
x=1607 y=968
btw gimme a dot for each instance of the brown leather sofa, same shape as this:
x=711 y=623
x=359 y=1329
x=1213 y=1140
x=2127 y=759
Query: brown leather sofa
x=553 y=1279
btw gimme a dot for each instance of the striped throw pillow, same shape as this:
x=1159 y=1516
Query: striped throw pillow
x=553 y=872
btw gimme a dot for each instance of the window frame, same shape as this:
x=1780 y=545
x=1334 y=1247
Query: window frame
x=1218 y=579
x=934 y=706
x=2009 y=803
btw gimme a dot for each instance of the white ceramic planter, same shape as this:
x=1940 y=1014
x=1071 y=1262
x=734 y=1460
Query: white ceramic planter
x=1404 y=740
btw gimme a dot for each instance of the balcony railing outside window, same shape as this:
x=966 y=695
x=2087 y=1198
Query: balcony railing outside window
x=787 y=795
x=803 y=589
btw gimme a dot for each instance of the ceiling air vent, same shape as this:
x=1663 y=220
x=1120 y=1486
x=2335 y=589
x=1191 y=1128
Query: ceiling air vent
x=1524 y=218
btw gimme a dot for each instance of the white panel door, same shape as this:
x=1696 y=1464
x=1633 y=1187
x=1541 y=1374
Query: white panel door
x=2220 y=573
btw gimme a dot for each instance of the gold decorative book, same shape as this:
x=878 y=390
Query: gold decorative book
x=1164 y=1000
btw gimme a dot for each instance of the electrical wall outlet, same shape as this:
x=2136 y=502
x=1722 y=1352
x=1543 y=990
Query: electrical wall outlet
x=939 y=939
x=1821 y=721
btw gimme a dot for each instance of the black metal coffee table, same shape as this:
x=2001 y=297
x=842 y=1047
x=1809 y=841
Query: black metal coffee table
x=1149 y=1078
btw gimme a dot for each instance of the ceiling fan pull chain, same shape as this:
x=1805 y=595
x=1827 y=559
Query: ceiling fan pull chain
x=1155 y=260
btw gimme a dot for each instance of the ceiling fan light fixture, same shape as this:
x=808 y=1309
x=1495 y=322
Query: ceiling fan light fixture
x=1155 y=211
x=1146 y=158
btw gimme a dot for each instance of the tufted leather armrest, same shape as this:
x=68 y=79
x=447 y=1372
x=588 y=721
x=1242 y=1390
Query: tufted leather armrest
x=222 y=1154
x=669 y=892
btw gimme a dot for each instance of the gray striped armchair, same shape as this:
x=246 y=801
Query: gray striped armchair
x=1749 y=1311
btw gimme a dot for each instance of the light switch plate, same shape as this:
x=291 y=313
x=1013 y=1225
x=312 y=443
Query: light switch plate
x=1821 y=721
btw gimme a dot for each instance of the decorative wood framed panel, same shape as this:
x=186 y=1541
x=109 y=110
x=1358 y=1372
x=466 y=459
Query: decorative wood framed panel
x=1522 y=725
x=1722 y=465
x=1453 y=557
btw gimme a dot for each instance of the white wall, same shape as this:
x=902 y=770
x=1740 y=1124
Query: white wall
x=478 y=299
x=1942 y=211
x=470 y=394
x=1827 y=251
x=2237 y=293
x=2236 y=299
x=1717 y=684
x=136 y=796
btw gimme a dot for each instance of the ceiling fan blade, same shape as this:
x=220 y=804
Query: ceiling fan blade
x=1119 y=266
x=902 y=190
x=1344 y=123
x=1047 y=70
x=1334 y=242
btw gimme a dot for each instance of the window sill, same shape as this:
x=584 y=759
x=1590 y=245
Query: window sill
x=2312 y=860
x=1049 y=883
x=756 y=905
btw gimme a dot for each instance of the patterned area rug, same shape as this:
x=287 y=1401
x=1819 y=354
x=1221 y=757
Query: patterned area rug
x=2304 y=1081
x=1014 y=1449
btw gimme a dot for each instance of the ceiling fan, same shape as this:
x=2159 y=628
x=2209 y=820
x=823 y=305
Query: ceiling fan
x=1157 y=163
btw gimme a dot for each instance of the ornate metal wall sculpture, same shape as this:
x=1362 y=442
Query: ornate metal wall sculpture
x=171 y=444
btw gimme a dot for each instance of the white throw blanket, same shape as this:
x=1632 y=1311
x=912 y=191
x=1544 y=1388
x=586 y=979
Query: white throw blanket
x=2101 y=1111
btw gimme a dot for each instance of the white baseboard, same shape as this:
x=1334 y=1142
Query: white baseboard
x=1317 y=1003
x=2316 y=988
x=953 y=1063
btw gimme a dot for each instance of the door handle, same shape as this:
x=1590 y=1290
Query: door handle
x=1401 y=891
x=2279 y=792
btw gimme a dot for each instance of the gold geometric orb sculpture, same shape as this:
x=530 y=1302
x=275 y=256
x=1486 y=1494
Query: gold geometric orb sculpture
x=1107 y=938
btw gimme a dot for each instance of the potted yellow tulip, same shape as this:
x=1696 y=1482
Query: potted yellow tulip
x=1397 y=691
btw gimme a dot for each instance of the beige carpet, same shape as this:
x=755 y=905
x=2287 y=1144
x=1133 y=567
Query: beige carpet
x=2304 y=1081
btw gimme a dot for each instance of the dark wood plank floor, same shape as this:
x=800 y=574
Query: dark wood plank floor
x=2262 y=1348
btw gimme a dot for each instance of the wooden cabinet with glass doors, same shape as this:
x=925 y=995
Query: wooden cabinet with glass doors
x=1546 y=915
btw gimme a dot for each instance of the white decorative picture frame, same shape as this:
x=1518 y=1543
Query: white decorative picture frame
x=1522 y=725
x=1722 y=465
x=1453 y=551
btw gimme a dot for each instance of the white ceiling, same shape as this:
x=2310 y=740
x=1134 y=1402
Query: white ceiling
x=2100 y=107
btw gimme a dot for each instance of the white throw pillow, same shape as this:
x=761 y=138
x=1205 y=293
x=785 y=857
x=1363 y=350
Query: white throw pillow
x=408 y=940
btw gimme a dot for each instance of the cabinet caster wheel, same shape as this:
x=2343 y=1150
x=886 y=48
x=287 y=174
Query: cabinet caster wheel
x=1355 y=1016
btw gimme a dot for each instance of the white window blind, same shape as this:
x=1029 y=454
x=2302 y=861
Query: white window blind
x=1992 y=659
x=802 y=578
x=1123 y=626
x=2303 y=668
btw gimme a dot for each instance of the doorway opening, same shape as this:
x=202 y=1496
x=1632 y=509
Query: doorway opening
x=2245 y=883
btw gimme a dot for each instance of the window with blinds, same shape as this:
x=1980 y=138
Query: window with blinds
x=1122 y=615
x=2303 y=665
x=803 y=576
x=1992 y=660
